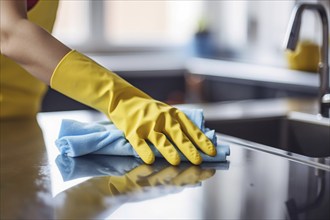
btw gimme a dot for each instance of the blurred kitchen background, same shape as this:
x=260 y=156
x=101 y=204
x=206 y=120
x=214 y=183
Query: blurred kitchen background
x=186 y=51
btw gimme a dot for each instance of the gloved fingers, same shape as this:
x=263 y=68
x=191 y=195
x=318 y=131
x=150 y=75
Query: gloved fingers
x=165 y=147
x=196 y=135
x=182 y=142
x=142 y=149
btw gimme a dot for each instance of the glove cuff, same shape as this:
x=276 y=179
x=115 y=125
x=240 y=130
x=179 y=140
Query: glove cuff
x=57 y=70
x=84 y=80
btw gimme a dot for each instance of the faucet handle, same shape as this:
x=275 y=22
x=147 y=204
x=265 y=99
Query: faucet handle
x=325 y=105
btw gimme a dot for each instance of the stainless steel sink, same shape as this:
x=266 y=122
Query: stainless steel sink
x=295 y=132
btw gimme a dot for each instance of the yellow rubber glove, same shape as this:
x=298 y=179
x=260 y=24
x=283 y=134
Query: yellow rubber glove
x=141 y=118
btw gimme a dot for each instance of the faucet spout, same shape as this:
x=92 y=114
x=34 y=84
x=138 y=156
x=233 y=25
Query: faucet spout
x=291 y=40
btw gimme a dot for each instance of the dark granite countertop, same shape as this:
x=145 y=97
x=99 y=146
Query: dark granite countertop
x=253 y=184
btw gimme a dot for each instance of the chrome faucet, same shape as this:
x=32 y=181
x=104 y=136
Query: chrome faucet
x=292 y=36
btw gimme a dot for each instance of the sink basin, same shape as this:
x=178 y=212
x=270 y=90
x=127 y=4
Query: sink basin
x=299 y=133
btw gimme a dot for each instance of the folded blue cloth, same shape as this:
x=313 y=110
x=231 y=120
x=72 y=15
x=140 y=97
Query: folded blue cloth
x=77 y=139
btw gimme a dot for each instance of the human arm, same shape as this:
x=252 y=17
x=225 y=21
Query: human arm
x=26 y=43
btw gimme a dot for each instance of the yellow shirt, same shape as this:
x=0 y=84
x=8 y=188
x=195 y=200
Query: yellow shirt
x=20 y=93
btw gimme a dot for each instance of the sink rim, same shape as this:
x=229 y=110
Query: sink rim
x=308 y=118
x=316 y=162
x=284 y=123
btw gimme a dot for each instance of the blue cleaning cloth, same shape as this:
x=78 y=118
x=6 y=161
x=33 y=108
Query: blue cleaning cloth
x=78 y=138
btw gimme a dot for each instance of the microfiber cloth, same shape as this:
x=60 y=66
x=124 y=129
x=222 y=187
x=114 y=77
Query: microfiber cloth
x=78 y=138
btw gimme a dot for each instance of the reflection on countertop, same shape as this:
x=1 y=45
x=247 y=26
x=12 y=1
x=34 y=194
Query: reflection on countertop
x=113 y=181
x=38 y=183
x=25 y=179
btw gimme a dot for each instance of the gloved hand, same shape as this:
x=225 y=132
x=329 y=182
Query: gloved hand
x=141 y=118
